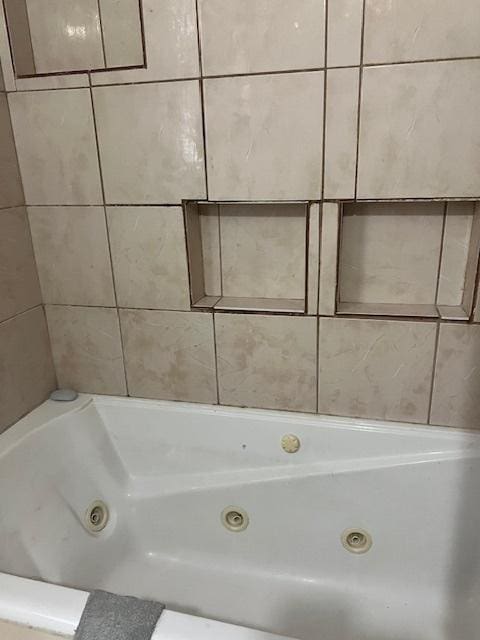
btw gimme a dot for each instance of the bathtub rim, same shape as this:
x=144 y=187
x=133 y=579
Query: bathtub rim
x=56 y=610
x=50 y=411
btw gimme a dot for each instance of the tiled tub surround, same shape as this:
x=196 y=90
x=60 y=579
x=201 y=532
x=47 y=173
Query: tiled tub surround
x=26 y=367
x=362 y=101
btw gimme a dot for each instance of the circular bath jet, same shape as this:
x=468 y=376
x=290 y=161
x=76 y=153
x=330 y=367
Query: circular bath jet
x=235 y=519
x=290 y=443
x=356 y=540
x=96 y=517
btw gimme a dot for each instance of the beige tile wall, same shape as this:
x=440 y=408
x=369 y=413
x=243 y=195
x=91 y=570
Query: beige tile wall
x=278 y=101
x=26 y=369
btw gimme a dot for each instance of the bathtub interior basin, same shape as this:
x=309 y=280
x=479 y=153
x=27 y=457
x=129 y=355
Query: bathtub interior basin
x=168 y=476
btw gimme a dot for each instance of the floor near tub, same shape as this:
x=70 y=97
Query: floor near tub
x=9 y=631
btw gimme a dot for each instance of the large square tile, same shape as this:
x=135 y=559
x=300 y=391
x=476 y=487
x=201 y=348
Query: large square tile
x=56 y=146
x=151 y=145
x=171 y=44
x=420 y=131
x=399 y=30
x=19 y=286
x=11 y=193
x=87 y=349
x=456 y=389
x=26 y=369
x=376 y=368
x=149 y=257
x=267 y=361
x=263 y=250
x=241 y=36
x=55 y=48
x=264 y=136
x=73 y=260
x=169 y=355
x=390 y=252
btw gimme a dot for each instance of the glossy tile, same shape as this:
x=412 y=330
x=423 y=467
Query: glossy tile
x=341 y=133
x=171 y=44
x=375 y=269
x=66 y=35
x=344 y=32
x=11 y=193
x=26 y=369
x=87 y=349
x=456 y=243
x=169 y=355
x=376 y=368
x=244 y=37
x=404 y=150
x=149 y=257
x=328 y=259
x=397 y=31
x=457 y=377
x=71 y=250
x=56 y=147
x=264 y=136
x=19 y=286
x=266 y=361
x=122 y=33
x=150 y=139
x=263 y=250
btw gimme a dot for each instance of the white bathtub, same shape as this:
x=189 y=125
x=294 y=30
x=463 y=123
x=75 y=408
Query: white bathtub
x=168 y=470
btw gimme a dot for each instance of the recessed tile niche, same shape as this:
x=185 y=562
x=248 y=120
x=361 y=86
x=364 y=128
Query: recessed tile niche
x=249 y=256
x=408 y=259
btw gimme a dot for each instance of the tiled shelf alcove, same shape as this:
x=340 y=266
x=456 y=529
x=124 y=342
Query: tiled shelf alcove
x=249 y=256
x=408 y=259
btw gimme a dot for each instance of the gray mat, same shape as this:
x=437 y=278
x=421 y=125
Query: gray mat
x=110 y=617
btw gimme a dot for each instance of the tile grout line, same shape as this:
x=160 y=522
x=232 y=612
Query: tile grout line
x=359 y=105
x=340 y=201
x=21 y=313
x=202 y=99
x=440 y=257
x=102 y=36
x=220 y=256
x=215 y=356
x=324 y=123
x=102 y=186
x=50 y=344
x=265 y=312
x=224 y=76
x=320 y=211
x=434 y=369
